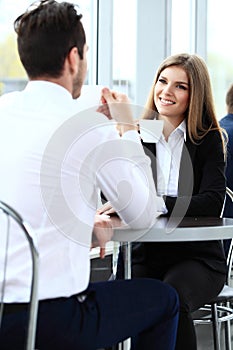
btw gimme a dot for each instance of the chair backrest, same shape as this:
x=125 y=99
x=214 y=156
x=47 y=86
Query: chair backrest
x=229 y=261
x=13 y=215
x=229 y=192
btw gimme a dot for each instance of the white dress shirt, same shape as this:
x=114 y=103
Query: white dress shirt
x=168 y=157
x=52 y=167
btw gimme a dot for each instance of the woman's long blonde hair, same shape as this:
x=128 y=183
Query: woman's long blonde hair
x=200 y=115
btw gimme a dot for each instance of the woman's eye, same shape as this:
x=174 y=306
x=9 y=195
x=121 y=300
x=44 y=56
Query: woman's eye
x=163 y=81
x=182 y=87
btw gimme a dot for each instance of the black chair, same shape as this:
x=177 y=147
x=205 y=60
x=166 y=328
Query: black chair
x=8 y=214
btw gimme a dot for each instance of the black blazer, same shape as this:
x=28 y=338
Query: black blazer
x=207 y=188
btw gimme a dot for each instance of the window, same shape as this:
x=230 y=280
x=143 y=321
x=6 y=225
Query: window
x=12 y=74
x=133 y=37
x=220 y=50
x=182 y=29
x=124 y=46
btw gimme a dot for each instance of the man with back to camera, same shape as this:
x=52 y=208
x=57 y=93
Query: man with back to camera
x=55 y=161
x=227 y=123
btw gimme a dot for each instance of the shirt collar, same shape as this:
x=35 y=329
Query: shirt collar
x=183 y=129
x=47 y=87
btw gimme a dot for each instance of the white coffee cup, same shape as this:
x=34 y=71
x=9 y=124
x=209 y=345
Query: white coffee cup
x=151 y=130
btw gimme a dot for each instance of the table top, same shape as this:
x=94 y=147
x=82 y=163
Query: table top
x=176 y=229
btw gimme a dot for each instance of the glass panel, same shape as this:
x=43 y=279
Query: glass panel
x=89 y=11
x=182 y=26
x=12 y=74
x=220 y=50
x=124 y=46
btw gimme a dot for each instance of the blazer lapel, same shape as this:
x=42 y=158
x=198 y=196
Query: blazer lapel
x=186 y=179
x=150 y=150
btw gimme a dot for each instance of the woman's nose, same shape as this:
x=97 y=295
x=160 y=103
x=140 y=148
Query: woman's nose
x=167 y=89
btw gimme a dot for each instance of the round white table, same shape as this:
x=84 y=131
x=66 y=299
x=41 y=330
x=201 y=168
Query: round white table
x=171 y=230
x=175 y=229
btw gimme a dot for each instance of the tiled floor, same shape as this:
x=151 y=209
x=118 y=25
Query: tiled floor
x=205 y=334
x=205 y=337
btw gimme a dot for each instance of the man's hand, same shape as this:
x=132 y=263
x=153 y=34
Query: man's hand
x=116 y=106
x=102 y=233
x=106 y=209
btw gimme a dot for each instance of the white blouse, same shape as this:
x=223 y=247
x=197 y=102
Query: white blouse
x=168 y=157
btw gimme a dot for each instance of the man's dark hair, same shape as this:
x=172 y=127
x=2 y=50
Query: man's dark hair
x=47 y=32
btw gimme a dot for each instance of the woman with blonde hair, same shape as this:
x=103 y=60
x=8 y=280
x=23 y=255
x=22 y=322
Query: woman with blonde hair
x=181 y=96
x=188 y=166
x=188 y=163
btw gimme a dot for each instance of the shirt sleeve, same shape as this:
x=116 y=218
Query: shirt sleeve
x=124 y=176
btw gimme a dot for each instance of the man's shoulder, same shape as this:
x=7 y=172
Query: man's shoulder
x=227 y=119
x=227 y=123
x=8 y=98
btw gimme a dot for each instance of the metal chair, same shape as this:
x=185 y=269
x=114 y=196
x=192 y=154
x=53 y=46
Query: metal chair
x=230 y=193
x=12 y=215
x=220 y=310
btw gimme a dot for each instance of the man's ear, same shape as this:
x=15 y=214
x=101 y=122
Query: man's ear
x=73 y=60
